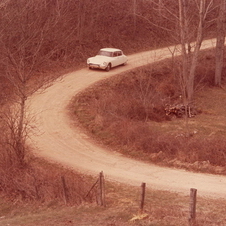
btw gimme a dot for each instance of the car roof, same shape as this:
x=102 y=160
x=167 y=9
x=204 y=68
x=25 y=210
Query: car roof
x=111 y=49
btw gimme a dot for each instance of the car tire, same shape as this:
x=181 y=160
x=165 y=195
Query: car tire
x=108 y=68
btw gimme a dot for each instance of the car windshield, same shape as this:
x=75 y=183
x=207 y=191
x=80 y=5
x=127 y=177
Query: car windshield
x=104 y=53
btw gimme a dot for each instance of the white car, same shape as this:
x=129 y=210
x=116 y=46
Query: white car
x=107 y=58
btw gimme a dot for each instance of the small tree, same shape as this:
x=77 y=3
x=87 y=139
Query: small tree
x=26 y=33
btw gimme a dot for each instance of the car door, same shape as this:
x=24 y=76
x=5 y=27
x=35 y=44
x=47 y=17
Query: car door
x=121 y=59
x=118 y=59
x=114 y=59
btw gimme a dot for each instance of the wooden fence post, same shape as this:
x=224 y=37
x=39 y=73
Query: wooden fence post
x=192 y=212
x=65 y=195
x=143 y=186
x=101 y=195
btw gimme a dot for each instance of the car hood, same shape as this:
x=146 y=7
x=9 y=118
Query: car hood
x=98 y=59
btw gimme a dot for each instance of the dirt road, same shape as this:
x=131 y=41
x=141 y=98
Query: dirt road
x=57 y=140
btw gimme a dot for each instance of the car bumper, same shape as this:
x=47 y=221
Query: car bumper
x=97 y=66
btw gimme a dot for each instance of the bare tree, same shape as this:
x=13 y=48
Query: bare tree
x=146 y=93
x=26 y=32
x=189 y=56
x=185 y=23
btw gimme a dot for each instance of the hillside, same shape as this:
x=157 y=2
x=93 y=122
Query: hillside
x=127 y=114
x=64 y=35
x=40 y=42
x=122 y=205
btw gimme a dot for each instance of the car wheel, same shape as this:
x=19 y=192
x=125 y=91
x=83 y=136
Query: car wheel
x=108 y=67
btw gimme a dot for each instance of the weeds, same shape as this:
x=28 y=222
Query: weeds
x=127 y=113
x=42 y=183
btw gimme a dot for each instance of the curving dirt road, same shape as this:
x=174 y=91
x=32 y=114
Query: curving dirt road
x=55 y=139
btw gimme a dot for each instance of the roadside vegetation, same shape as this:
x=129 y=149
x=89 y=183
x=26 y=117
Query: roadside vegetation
x=122 y=209
x=41 y=41
x=127 y=113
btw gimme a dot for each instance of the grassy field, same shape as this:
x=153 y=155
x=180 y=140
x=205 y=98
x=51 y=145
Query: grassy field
x=209 y=122
x=122 y=209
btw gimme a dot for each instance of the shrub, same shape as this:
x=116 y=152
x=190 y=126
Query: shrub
x=42 y=182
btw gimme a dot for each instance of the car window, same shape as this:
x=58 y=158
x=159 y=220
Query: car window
x=119 y=53
x=104 y=53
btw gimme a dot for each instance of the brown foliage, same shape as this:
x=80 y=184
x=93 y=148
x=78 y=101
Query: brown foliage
x=43 y=183
x=47 y=35
x=120 y=112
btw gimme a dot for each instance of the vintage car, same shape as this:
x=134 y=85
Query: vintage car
x=107 y=58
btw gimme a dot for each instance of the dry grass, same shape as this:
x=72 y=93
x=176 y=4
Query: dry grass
x=46 y=206
x=42 y=183
x=161 y=208
x=38 y=185
x=126 y=112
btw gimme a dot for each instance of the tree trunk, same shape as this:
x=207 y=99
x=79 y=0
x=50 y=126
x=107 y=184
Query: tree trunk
x=20 y=136
x=185 y=60
x=189 y=59
x=219 y=57
x=81 y=19
x=134 y=17
x=191 y=78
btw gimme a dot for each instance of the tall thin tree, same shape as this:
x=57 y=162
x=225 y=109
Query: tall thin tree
x=221 y=28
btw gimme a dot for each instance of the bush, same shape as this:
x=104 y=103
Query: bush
x=42 y=182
